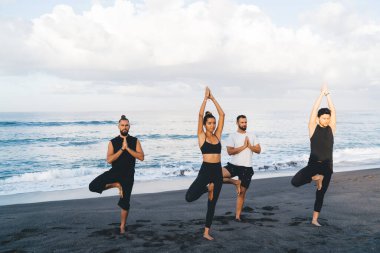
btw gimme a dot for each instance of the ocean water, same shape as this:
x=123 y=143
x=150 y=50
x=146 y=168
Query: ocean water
x=48 y=152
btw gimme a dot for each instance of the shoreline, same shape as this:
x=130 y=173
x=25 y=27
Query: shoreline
x=139 y=187
x=276 y=218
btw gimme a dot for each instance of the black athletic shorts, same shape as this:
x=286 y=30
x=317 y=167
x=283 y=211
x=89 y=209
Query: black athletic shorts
x=244 y=173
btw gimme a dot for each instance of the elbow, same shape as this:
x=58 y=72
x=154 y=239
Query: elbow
x=109 y=161
x=258 y=150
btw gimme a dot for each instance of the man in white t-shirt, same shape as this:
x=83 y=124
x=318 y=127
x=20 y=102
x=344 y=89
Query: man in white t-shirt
x=240 y=146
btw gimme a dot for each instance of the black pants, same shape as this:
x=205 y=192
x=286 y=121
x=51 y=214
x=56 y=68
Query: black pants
x=209 y=173
x=304 y=177
x=126 y=181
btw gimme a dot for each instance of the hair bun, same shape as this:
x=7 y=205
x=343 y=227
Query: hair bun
x=207 y=116
x=122 y=117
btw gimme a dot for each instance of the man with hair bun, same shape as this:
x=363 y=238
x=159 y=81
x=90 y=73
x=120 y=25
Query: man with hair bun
x=122 y=153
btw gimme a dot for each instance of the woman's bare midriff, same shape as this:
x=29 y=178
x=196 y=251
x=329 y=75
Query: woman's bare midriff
x=211 y=158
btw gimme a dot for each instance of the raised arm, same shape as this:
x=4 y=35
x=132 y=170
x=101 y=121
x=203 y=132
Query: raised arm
x=219 y=129
x=333 y=112
x=314 y=112
x=201 y=133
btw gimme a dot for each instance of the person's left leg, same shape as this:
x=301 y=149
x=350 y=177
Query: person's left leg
x=124 y=202
x=319 y=196
x=240 y=203
x=217 y=181
x=123 y=220
x=245 y=175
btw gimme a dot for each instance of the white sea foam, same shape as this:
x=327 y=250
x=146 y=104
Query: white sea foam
x=62 y=179
x=50 y=180
x=357 y=155
x=69 y=156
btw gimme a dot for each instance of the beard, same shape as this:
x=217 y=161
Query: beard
x=243 y=128
x=124 y=132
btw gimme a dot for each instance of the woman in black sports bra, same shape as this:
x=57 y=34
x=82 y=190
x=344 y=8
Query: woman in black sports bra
x=210 y=176
x=322 y=127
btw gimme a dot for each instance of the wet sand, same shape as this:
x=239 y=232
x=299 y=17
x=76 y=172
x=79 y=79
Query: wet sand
x=276 y=218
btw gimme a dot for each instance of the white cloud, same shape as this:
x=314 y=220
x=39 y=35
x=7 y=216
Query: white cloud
x=161 y=47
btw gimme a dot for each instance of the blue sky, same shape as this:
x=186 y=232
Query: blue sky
x=153 y=54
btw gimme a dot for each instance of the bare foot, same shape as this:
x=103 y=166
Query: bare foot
x=208 y=237
x=237 y=219
x=315 y=223
x=122 y=230
x=238 y=184
x=211 y=191
x=318 y=180
x=120 y=189
x=319 y=183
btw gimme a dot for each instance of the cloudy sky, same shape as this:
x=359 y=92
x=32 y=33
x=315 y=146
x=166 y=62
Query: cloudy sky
x=68 y=55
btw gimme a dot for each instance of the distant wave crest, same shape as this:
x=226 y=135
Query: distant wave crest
x=54 y=123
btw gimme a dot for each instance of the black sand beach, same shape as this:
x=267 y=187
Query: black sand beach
x=276 y=219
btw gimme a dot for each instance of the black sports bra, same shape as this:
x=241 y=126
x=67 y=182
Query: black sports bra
x=209 y=148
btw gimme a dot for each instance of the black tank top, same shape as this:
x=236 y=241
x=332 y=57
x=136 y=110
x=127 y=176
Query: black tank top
x=321 y=144
x=209 y=148
x=125 y=164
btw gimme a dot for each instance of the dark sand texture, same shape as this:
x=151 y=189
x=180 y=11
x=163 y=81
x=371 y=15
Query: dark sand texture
x=276 y=219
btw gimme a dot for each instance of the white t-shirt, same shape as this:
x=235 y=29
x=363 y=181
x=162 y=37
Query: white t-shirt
x=244 y=158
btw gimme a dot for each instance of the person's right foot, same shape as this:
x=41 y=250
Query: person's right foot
x=120 y=190
x=238 y=184
x=316 y=223
x=208 y=237
x=318 y=181
x=237 y=219
x=210 y=191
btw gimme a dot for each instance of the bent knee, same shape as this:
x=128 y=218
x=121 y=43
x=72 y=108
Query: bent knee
x=295 y=182
x=92 y=187
x=95 y=187
x=226 y=173
x=188 y=198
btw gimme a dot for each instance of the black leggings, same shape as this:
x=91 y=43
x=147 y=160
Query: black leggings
x=304 y=176
x=209 y=173
x=99 y=185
